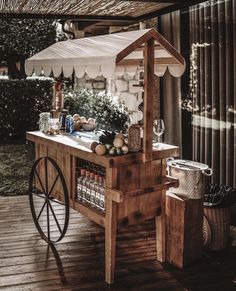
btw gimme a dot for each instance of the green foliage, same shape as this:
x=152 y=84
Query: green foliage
x=20 y=104
x=22 y=38
x=25 y=37
x=109 y=115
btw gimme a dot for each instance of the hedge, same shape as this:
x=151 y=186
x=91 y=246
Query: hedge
x=21 y=101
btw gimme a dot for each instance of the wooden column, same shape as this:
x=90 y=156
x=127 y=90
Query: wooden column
x=161 y=231
x=110 y=239
x=148 y=99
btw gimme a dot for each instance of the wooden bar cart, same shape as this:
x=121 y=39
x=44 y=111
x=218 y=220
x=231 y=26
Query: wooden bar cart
x=135 y=191
x=136 y=183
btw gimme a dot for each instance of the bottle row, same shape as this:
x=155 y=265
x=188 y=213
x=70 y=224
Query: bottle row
x=91 y=189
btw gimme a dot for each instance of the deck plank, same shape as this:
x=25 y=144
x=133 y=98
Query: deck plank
x=77 y=262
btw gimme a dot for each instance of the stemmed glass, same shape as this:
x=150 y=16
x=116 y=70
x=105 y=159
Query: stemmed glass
x=158 y=128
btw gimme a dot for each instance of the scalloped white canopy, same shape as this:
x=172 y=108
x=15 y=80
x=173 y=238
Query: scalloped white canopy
x=107 y=55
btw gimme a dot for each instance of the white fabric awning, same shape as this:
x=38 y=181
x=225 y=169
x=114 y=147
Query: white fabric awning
x=98 y=56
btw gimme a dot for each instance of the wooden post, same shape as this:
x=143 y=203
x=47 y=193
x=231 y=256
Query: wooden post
x=184 y=228
x=110 y=239
x=148 y=99
x=161 y=231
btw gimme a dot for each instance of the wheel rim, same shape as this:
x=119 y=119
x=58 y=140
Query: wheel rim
x=49 y=206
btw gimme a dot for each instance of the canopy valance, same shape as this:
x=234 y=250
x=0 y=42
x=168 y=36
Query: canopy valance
x=106 y=55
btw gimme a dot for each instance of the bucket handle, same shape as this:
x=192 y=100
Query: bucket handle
x=207 y=172
x=167 y=165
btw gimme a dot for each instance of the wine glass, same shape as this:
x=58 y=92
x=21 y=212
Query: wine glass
x=158 y=129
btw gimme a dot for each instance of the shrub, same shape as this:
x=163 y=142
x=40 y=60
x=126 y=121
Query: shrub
x=21 y=102
x=109 y=114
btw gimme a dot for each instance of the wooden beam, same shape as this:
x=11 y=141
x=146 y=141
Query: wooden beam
x=133 y=46
x=68 y=17
x=164 y=43
x=148 y=99
x=136 y=62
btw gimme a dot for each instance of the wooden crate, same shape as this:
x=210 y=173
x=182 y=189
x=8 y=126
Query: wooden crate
x=184 y=229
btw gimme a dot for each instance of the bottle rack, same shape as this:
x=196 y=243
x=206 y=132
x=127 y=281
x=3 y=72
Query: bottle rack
x=90 y=184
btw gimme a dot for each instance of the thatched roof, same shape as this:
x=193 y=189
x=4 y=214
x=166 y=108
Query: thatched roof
x=90 y=9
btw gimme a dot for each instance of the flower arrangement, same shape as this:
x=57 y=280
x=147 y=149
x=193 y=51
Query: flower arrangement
x=110 y=114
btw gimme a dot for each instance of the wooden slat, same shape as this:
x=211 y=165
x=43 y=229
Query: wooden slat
x=92 y=214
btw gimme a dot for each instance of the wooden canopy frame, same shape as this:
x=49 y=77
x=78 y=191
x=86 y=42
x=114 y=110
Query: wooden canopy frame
x=149 y=61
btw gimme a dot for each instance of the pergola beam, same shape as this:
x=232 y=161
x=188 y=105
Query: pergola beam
x=68 y=17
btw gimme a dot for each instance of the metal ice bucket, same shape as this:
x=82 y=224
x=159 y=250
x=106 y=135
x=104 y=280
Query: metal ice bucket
x=191 y=177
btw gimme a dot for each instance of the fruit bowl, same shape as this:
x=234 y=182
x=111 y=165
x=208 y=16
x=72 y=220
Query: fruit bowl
x=89 y=126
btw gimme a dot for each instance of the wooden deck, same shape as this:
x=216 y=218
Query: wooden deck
x=77 y=262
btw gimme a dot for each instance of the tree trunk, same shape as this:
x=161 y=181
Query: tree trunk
x=22 y=68
x=13 y=71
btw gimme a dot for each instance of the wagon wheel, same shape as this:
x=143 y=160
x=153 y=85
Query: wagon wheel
x=49 y=206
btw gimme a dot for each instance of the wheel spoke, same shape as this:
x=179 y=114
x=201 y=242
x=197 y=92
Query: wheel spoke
x=46 y=176
x=54 y=215
x=37 y=219
x=56 y=201
x=54 y=183
x=40 y=181
x=38 y=195
x=48 y=222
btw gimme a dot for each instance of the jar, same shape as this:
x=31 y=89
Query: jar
x=62 y=119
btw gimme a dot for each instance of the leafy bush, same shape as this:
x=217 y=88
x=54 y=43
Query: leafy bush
x=21 y=102
x=109 y=114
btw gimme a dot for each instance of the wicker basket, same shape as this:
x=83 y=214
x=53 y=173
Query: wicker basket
x=218 y=220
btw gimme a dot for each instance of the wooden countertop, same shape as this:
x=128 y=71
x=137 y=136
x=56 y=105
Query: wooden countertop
x=69 y=144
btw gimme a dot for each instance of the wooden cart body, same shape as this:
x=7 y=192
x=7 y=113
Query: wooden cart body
x=135 y=191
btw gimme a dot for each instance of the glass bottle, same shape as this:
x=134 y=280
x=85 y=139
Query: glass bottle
x=97 y=192
x=90 y=187
x=103 y=194
x=80 y=184
x=86 y=187
x=93 y=189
